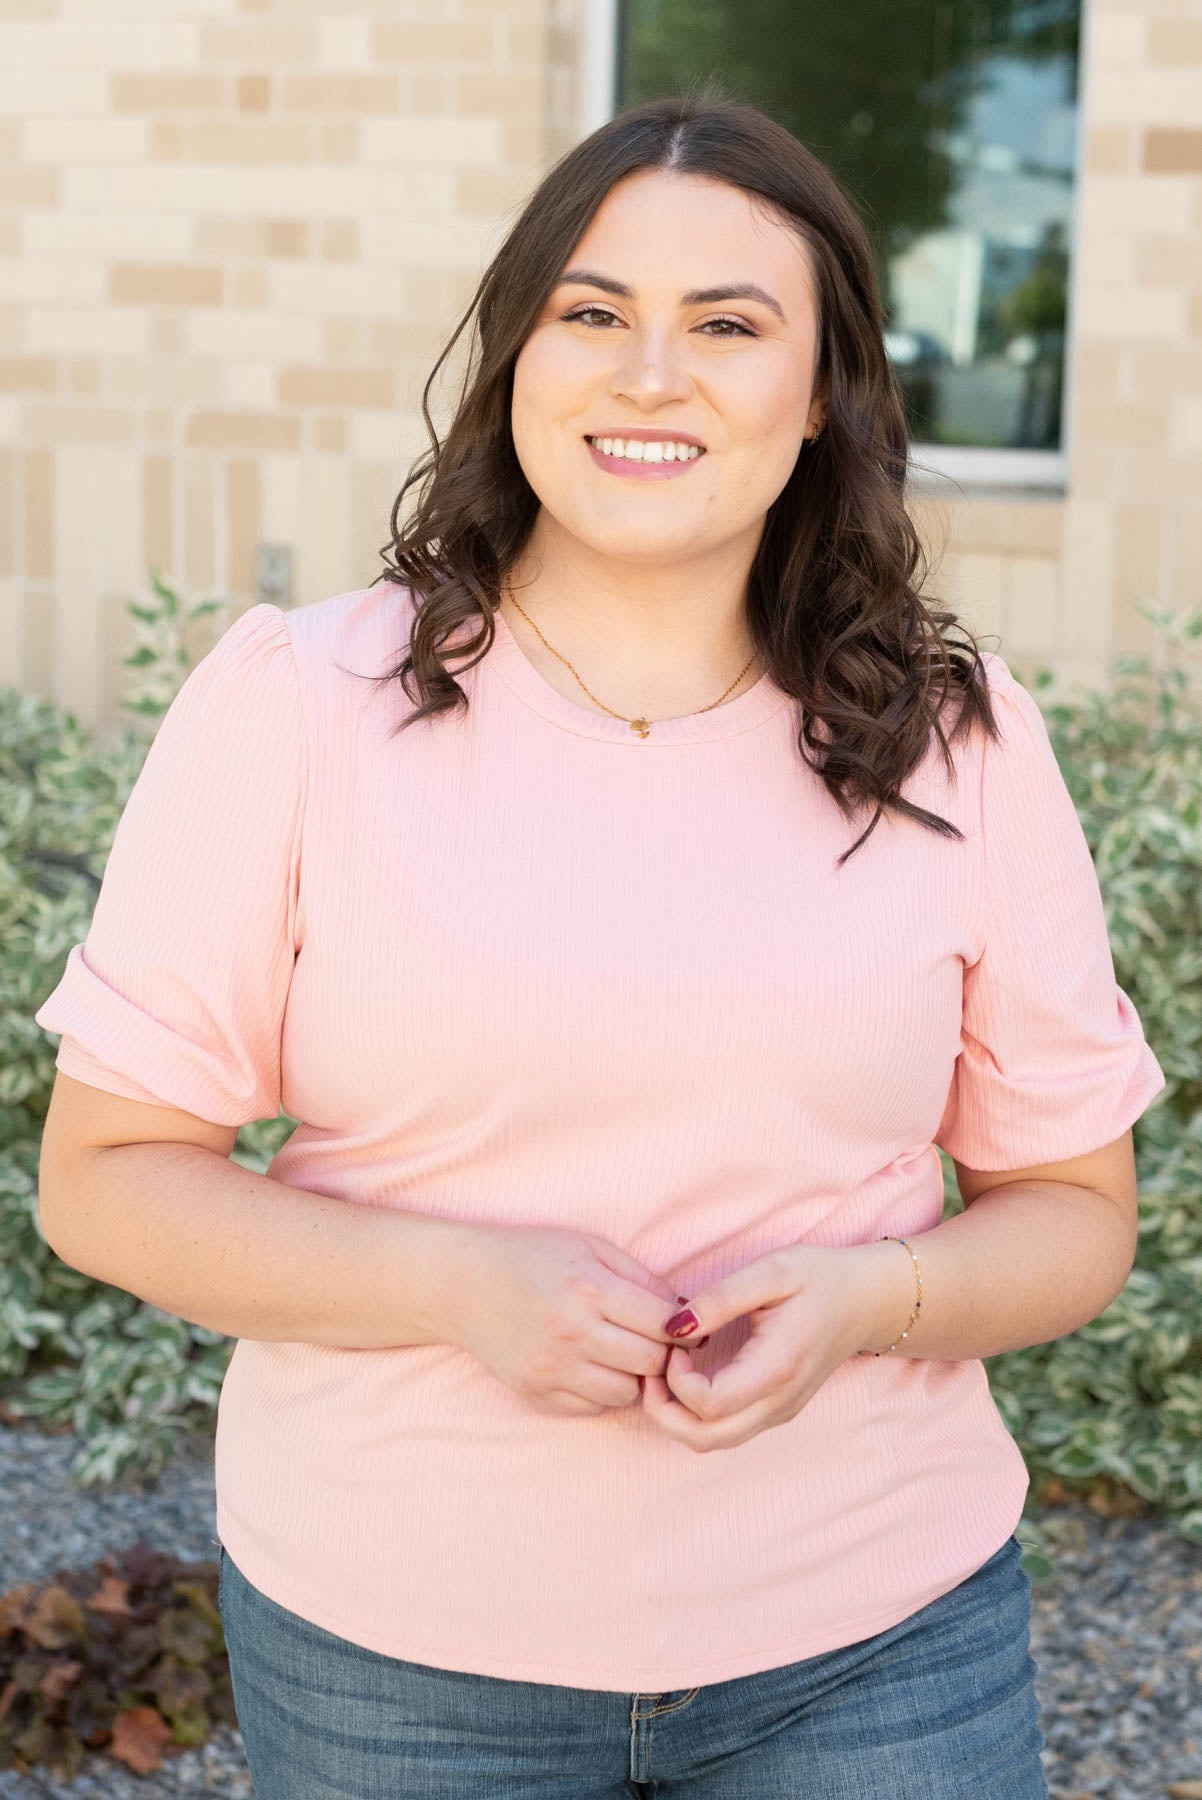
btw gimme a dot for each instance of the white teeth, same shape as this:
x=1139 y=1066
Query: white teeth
x=642 y=450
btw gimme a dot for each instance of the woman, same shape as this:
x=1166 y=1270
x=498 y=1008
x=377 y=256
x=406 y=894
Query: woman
x=657 y=946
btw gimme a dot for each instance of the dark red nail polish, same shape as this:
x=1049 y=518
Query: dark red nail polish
x=681 y=1323
x=682 y=1299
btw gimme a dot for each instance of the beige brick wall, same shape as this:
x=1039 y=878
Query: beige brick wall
x=235 y=233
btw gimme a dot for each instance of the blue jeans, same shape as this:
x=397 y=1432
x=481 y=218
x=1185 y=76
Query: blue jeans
x=941 y=1706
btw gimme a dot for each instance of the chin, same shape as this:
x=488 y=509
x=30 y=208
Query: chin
x=643 y=546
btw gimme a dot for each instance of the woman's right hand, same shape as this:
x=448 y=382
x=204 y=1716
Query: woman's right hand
x=566 y=1320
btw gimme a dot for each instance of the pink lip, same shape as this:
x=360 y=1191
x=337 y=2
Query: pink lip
x=640 y=471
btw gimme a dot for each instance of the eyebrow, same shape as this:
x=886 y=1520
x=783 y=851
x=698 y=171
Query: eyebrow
x=741 y=290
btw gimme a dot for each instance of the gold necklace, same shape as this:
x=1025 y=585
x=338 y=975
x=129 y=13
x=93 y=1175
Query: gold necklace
x=641 y=726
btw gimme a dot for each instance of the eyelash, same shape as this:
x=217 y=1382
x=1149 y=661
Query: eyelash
x=605 y=314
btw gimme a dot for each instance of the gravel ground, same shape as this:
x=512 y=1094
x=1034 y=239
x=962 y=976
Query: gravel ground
x=1116 y=1631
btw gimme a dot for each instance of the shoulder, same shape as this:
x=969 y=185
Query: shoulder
x=343 y=648
x=979 y=768
x=1015 y=765
x=1015 y=712
x=1023 y=740
x=1025 y=797
x=353 y=627
x=966 y=740
x=1005 y=686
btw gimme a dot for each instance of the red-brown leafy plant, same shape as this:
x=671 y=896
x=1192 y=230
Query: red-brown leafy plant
x=127 y=1657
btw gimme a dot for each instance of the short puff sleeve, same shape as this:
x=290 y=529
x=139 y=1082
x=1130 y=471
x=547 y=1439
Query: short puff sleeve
x=176 y=996
x=1053 y=1062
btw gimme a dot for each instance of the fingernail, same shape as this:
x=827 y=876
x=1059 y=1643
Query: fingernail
x=682 y=1299
x=702 y=1342
x=642 y=1387
x=681 y=1323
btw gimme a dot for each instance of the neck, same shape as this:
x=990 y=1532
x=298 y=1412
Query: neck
x=624 y=688
x=670 y=637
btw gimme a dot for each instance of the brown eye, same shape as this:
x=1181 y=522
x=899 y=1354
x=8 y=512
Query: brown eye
x=738 y=325
x=600 y=310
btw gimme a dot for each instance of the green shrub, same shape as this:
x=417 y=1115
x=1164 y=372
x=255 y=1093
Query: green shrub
x=1114 y=1409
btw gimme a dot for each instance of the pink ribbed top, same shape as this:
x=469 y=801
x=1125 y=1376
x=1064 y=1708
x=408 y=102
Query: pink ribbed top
x=517 y=965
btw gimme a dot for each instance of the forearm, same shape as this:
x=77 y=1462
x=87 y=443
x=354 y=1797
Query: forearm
x=1024 y=1264
x=201 y=1237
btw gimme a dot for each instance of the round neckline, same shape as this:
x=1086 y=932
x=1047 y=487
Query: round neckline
x=508 y=661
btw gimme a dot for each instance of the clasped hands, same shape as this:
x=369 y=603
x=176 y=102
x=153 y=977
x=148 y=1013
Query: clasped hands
x=810 y=1308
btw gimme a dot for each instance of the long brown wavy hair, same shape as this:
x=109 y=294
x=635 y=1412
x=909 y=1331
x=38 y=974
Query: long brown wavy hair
x=833 y=597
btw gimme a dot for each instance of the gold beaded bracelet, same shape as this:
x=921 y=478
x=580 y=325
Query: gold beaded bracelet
x=918 y=1304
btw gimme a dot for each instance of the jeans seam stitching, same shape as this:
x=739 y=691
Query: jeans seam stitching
x=658 y=1711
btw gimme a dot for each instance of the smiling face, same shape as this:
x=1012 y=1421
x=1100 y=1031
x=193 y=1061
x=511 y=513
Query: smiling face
x=733 y=373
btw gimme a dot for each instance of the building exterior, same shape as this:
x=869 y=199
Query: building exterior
x=235 y=234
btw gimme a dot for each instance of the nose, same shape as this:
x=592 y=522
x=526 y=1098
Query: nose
x=651 y=369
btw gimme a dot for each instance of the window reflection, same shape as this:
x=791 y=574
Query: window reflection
x=953 y=125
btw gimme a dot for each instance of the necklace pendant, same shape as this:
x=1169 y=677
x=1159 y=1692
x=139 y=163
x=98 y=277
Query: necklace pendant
x=641 y=726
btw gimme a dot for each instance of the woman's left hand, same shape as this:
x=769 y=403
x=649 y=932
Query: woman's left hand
x=809 y=1308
